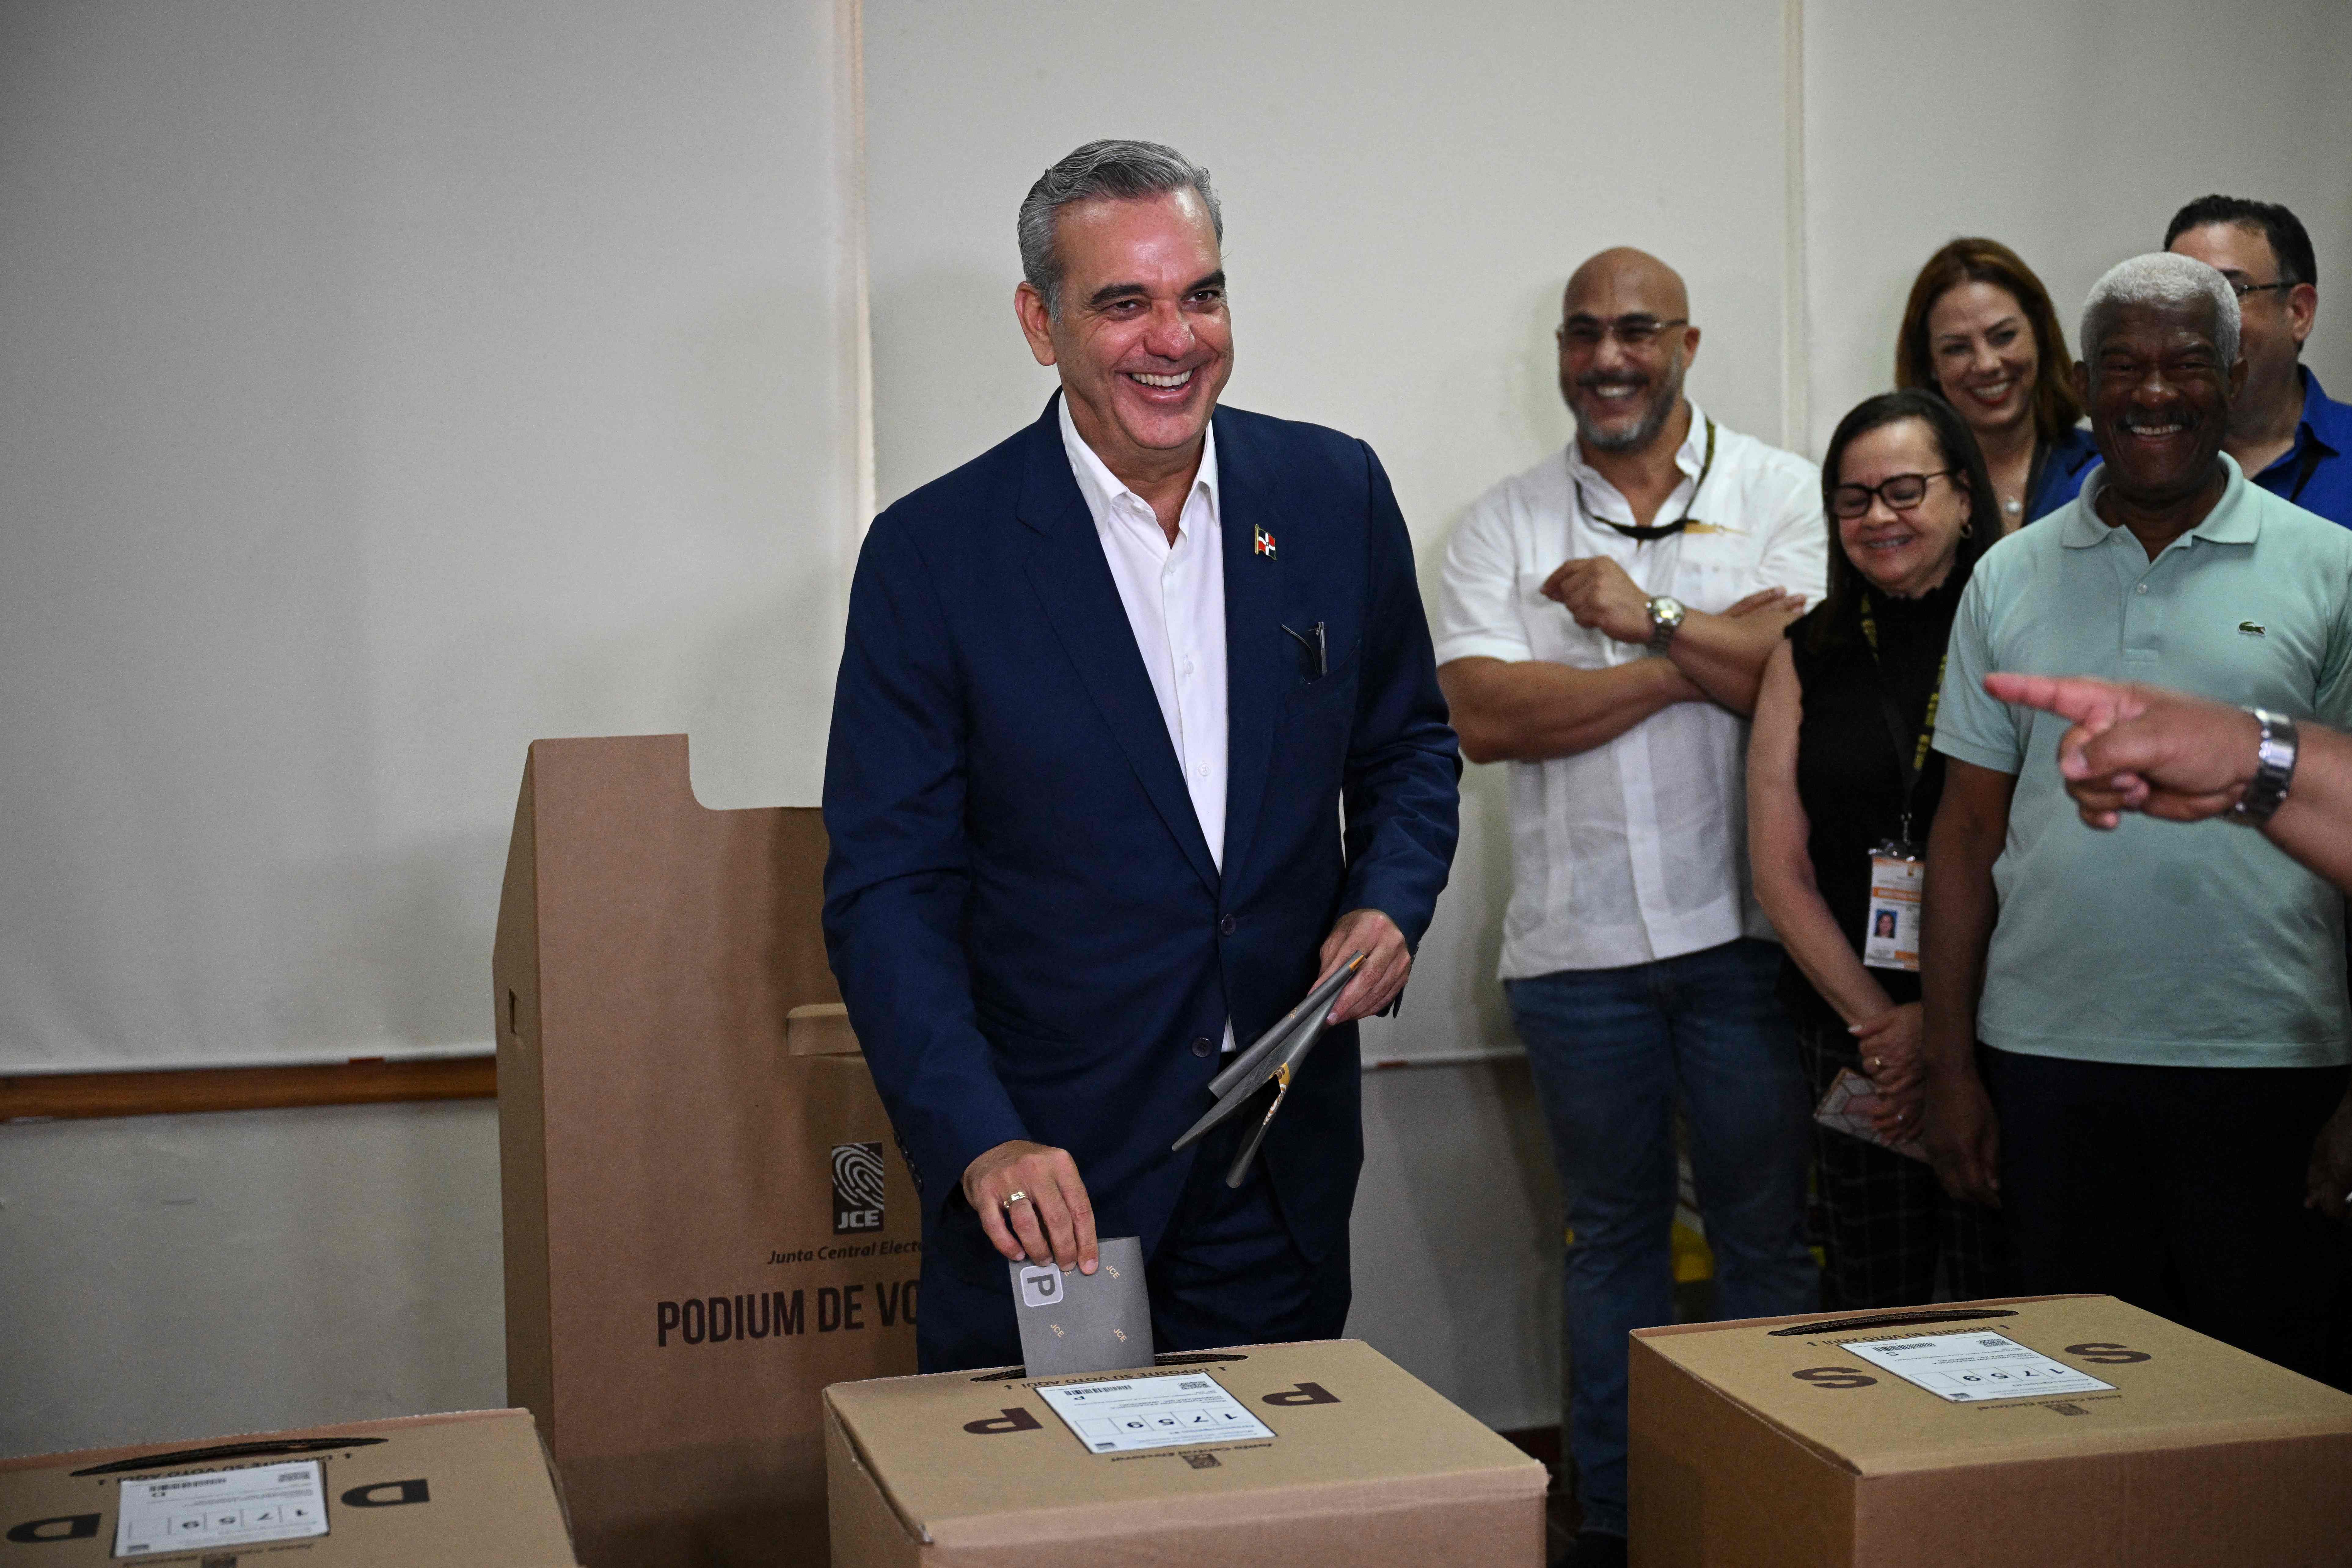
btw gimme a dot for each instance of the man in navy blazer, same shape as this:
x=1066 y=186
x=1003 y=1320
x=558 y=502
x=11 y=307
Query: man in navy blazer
x=1136 y=735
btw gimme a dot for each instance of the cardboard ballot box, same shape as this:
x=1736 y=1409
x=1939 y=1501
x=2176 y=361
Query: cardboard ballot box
x=2037 y=1431
x=707 y=1218
x=471 y=1490
x=1261 y=1457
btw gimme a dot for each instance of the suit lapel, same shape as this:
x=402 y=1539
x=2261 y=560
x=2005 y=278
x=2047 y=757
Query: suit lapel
x=1073 y=582
x=1259 y=655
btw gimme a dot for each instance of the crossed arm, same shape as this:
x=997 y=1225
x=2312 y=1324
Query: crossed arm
x=1533 y=709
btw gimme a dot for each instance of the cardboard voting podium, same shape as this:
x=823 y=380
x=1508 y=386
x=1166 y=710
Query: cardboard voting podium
x=707 y=1217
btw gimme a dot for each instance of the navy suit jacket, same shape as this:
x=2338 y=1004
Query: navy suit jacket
x=1020 y=905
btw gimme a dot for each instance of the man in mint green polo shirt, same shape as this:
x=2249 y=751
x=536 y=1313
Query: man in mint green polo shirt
x=2162 y=1012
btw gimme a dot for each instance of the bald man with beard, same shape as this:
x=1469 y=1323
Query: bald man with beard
x=1604 y=624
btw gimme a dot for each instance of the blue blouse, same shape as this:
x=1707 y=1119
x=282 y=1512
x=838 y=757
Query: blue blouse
x=2064 y=466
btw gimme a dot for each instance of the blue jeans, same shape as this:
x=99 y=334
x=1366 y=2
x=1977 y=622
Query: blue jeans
x=1610 y=1050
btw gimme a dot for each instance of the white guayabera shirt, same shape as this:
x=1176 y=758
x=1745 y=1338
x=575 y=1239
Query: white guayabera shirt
x=1635 y=850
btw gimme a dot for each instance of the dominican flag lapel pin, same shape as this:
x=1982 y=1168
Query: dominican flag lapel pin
x=1264 y=543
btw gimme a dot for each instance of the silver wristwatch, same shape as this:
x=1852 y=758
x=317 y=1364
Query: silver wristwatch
x=1665 y=620
x=2273 y=769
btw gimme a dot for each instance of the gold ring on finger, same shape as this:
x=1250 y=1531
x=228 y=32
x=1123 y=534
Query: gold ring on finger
x=1011 y=1198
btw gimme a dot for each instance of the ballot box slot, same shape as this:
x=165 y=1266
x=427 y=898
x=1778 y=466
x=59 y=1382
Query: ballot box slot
x=229 y=1451
x=1827 y=1327
x=1165 y=1358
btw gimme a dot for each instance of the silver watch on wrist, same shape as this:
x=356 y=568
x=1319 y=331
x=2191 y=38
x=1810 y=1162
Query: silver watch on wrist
x=1665 y=620
x=2273 y=769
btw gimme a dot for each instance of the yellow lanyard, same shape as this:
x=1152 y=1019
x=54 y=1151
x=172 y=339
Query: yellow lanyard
x=1918 y=757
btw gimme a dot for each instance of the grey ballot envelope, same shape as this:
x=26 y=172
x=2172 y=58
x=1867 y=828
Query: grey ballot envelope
x=1078 y=1322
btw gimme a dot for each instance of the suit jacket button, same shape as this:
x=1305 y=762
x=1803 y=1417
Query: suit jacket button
x=1201 y=1047
x=1226 y=925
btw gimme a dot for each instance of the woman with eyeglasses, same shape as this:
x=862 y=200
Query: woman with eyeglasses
x=1842 y=784
x=1980 y=333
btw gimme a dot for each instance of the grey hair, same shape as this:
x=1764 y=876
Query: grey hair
x=1115 y=170
x=2161 y=277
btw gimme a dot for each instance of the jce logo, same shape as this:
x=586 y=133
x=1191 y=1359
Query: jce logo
x=858 y=1187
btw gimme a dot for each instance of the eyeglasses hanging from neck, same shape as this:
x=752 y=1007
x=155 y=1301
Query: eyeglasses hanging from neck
x=1642 y=533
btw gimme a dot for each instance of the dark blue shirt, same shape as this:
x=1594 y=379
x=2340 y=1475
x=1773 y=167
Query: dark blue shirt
x=2064 y=464
x=2315 y=473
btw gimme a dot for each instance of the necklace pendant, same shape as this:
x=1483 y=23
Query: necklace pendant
x=2013 y=507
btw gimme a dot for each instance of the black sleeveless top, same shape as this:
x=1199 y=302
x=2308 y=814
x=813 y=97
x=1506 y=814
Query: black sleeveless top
x=1847 y=777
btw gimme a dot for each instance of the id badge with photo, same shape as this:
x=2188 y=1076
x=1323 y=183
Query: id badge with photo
x=1890 y=932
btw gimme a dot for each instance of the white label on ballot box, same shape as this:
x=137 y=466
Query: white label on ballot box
x=1122 y=1415
x=1966 y=1368
x=213 y=1509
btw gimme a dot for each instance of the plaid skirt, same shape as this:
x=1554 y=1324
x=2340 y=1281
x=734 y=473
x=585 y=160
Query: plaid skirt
x=1887 y=1223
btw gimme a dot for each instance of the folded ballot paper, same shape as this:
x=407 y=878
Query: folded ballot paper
x=1846 y=1109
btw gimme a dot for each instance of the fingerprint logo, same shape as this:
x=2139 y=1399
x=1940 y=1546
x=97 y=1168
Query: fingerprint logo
x=859 y=1181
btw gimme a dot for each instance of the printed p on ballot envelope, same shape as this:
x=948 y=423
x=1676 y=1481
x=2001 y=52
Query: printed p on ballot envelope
x=1078 y=1322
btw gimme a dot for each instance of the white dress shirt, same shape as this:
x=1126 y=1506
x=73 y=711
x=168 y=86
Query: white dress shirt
x=1637 y=849
x=1175 y=601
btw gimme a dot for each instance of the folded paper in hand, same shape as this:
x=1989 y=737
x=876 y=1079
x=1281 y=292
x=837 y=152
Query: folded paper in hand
x=1846 y=1109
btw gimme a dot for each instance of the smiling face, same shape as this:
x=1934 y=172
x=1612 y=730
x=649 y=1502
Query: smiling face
x=1985 y=359
x=2273 y=322
x=1905 y=551
x=2160 y=399
x=1623 y=393
x=1143 y=342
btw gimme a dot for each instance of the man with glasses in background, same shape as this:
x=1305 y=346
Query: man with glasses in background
x=2285 y=434
x=1604 y=624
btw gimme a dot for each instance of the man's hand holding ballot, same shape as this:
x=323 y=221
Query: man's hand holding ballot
x=1033 y=1204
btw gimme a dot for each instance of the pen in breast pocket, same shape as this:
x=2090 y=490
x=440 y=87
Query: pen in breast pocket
x=1317 y=648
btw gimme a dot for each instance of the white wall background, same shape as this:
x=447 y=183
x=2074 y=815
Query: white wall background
x=182 y=1277
x=384 y=386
